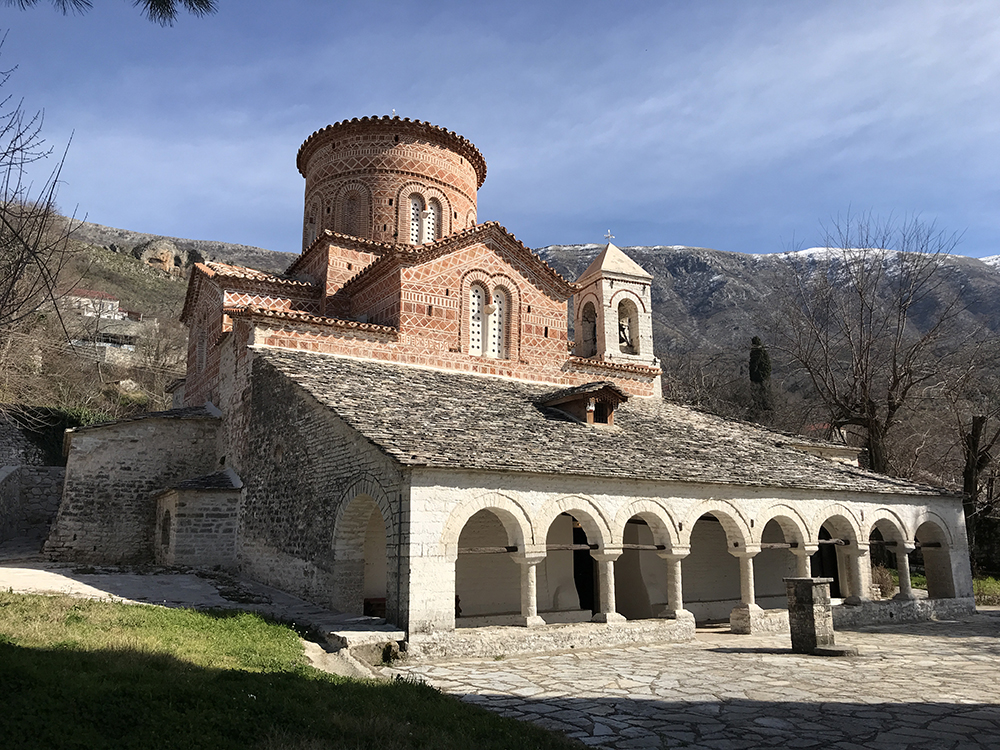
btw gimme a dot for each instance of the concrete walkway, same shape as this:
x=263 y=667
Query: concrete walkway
x=930 y=685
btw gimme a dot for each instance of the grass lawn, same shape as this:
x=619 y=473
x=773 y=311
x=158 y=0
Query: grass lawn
x=76 y=673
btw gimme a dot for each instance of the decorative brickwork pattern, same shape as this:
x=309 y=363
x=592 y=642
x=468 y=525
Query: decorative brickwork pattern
x=392 y=159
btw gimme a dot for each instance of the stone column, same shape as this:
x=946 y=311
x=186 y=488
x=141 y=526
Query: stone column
x=745 y=615
x=529 y=588
x=675 y=597
x=606 y=583
x=803 y=558
x=859 y=573
x=746 y=580
x=903 y=549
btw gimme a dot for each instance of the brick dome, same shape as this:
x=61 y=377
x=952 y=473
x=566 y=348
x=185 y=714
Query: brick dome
x=389 y=179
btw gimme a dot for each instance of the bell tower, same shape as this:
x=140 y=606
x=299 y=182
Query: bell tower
x=612 y=311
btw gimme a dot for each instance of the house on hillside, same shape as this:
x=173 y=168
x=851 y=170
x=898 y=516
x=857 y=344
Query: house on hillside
x=399 y=425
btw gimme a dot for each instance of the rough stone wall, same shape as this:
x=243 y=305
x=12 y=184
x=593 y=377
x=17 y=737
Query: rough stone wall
x=29 y=499
x=114 y=471
x=197 y=528
x=302 y=467
x=15 y=448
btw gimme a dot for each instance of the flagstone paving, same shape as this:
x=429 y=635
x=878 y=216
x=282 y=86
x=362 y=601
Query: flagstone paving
x=928 y=685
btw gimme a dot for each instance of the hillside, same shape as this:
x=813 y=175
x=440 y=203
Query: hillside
x=179 y=253
x=709 y=300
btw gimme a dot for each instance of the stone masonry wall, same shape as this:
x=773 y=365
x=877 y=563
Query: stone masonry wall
x=197 y=528
x=15 y=448
x=302 y=467
x=114 y=471
x=29 y=499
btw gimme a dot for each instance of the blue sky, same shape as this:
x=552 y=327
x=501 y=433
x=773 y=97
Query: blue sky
x=738 y=125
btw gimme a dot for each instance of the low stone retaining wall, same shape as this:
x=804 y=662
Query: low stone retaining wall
x=894 y=610
x=490 y=642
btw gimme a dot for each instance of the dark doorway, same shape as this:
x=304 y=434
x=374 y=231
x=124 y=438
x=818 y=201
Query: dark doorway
x=823 y=563
x=583 y=570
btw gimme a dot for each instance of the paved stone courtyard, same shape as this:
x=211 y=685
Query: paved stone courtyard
x=932 y=685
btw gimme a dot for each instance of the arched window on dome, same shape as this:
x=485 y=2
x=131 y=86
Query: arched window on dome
x=477 y=305
x=432 y=223
x=416 y=218
x=354 y=214
x=499 y=310
x=628 y=327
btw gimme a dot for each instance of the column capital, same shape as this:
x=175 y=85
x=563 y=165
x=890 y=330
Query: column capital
x=527 y=558
x=606 y=554
x=906 y=546
x=750 y=550
x=807 y=550
x=674 y=553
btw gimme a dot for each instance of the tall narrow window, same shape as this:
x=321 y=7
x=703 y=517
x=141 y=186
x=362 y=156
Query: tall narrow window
x=350 y=225
x=588 y=322
x=498 y=325
x=432 y=227
x=416 y=218
x=477 y=301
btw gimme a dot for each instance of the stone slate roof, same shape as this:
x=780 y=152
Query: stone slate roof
x=423 y=417
x=185 y=412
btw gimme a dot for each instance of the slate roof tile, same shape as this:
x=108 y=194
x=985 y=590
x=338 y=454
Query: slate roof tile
x=453 y=420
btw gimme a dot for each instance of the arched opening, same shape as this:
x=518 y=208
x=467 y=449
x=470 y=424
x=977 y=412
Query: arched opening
x=640 y=574
x=588 y=333
x=837 y=543
x=432 y=223
x=883 y=548
x=416 y=218
x=361 y=559
x=932 y=558
x=373 y=603
x=487 y=578
x=354 y=214
x=628 y=327
x=774 y=563
x=497 y=346
x=567 y=580
x=711 y=574
x=477 y=308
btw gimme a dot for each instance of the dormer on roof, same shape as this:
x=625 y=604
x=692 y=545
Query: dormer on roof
x=613 y=310
x=591 y=403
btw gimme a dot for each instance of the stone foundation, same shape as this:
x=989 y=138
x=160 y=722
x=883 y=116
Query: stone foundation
x=491 y=642
x=745 y=620
x=891 y=611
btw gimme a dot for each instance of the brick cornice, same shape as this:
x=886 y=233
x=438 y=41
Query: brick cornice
x=446 y=138
x=287 y=316
x=603 y=364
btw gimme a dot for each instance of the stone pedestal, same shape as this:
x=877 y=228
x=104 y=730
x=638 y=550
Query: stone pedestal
x=810 y=617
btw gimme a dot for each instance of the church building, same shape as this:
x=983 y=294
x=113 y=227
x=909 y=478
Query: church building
x=401 y=426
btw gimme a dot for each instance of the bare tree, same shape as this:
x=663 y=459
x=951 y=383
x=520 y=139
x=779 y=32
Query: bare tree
x=867 y=319
x=163 y=12
x=974 y=398
x=33 y=237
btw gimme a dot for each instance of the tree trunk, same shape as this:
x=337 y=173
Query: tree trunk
x=878 y=451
